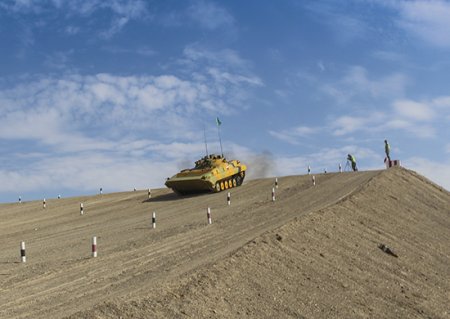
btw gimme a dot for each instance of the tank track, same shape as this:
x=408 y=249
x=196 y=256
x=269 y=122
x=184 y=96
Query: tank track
x=230 y=182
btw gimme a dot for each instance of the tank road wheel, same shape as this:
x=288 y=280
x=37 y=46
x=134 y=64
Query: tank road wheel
x=230 y=184
x=238 y=180
x=234 y=182
x=218 y=187
x=226 y=184
x=222 y=186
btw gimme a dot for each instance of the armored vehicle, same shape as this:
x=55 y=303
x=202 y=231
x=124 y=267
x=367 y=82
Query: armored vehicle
x=212 y=173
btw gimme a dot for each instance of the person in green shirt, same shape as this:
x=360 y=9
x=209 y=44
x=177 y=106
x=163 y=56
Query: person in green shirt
x=352 y=159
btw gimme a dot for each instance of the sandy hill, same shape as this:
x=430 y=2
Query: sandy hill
x=313 y=253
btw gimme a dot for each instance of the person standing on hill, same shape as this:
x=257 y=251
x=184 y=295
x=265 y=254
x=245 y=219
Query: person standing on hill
x=387 y=149
x=352 y=159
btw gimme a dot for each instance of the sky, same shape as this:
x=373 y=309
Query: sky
x=122 y=94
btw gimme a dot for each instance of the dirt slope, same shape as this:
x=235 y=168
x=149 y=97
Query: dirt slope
x=311 y=253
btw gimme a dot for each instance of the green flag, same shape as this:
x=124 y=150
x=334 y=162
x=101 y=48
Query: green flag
x=218 y=121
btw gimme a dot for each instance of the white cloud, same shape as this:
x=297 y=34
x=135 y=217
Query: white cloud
x=120 y=12
x=388 y=56
x=210 y=15
x=321 y=66
x=346 y=28
x=392 y=85
x=293 y=135
x=442 y=102
x=356 y=83
x=72 y=30
x=348 y=124
x=414 y=110
x=428 y=20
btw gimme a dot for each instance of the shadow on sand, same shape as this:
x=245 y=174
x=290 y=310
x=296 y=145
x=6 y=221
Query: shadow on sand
x=171 y=197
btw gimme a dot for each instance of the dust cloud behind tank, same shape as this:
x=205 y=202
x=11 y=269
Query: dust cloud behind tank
x=212 y=173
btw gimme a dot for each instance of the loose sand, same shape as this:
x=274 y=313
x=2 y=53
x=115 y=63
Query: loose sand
x=313 y=253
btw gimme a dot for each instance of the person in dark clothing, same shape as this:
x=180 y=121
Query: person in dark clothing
x=387 y=149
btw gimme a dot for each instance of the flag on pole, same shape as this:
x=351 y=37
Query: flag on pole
x=218 y=121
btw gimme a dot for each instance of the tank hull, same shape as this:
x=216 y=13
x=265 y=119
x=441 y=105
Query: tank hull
x=211 y=174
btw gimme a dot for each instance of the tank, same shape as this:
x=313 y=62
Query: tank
x=212 y=173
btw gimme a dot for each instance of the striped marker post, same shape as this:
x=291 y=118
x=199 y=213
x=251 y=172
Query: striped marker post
x=208 y=214
x=101 y=190
x=149 y=193
x=154 y=220
x=309 y=169
x=81 y=209
x=59 y=196
x=229 y=199
x=325 y=171
x=20 y=200
x=276 y=182
x=94 y=246
x=23 y=257
x=44 y=203
x=273 y=194
x=340 y=168
x=314 y=181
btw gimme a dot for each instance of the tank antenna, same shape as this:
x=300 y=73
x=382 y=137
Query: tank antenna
x=206 y=144
x=218 y=132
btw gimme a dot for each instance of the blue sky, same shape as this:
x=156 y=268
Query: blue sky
x=117 y=94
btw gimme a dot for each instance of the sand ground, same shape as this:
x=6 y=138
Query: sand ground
x=313 y=253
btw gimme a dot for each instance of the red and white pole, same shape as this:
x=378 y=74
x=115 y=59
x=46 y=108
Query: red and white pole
x=208 y=214
x=94 y=246
x=314 y=181
x=154 y=220
x=81 y=209
x=23 y=257
x=229 y=199
x=273 y=194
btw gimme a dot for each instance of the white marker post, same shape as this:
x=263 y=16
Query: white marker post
x=276 y=182
x=309 y=169
x=23 y=257
x=154 y=220
x=149 y=193
x=208 y=214
x=229 y=199
x=314 y=180
x=273 y=194
x=20 y=200
x=134 y=189
x=325 y=171
x=340 y=168
x=81 y=209
x=101 y=190
x=59 y=196
x=94 y=246
x=44 y=203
